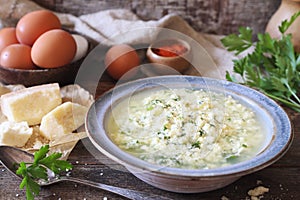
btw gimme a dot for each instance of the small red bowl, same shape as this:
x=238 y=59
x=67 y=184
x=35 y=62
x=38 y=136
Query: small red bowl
x=173 y=53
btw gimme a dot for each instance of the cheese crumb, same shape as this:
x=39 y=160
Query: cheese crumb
x=259 y=182
x=224 y=198
x=257 y=192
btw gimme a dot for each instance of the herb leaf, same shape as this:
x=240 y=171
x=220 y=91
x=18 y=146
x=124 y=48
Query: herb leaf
x=273 y=67
x=240 y=42
x=38 y=155
x=54 y=164
x=286 y=24
x=196 y=145
x=31 y=172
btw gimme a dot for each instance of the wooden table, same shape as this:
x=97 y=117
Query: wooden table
x=282 y=178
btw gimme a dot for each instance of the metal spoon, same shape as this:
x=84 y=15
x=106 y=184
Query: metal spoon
x=10 y=157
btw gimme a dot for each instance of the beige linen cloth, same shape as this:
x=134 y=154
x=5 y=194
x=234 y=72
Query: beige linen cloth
x=103 y=25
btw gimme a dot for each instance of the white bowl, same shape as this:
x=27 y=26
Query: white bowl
x=276 y=124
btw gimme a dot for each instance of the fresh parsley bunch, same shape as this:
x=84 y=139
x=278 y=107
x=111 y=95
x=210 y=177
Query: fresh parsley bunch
x=32 y=172
x=273 y=67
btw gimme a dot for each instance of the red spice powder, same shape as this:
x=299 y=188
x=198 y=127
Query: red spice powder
x=172 y=50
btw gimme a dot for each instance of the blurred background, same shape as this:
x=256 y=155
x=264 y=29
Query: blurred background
x=208 y=16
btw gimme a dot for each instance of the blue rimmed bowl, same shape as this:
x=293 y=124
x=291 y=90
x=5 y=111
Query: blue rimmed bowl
x=276 y=126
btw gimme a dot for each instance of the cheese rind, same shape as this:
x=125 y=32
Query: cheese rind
x=3 y=90
x=31 y=104
x=62 y=120
x=14 y=134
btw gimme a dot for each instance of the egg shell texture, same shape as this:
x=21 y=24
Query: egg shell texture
x=7 y=37
x=16 y=56
x=82 y=47
x=34 y=24
x=54 y=48
x=120 y=59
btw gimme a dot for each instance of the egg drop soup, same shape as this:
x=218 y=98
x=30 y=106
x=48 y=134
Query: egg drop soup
x=185 y=128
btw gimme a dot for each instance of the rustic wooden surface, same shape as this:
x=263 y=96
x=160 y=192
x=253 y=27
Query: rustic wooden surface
x=215 y=16
x=210 y=16
x=282 y=178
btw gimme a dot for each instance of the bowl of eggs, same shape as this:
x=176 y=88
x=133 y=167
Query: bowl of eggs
x=39 y=51
x=188 y=134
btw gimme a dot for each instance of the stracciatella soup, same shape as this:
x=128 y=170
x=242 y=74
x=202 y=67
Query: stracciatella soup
x=185 y=128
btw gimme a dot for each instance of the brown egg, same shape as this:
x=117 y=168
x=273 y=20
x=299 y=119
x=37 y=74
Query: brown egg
x=7 y=37
x=119 y=59
x=54 y=48
x=34 y=24
x=16 y=56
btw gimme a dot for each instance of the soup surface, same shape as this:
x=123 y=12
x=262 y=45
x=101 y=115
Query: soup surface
x=184 y=128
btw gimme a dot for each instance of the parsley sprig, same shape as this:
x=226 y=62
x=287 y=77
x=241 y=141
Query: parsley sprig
x=273 y=67
x=32 y=172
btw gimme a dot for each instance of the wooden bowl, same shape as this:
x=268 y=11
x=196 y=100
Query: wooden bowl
x=62 y=75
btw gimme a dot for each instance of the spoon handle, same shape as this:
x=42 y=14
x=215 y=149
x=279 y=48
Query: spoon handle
x=128 y=193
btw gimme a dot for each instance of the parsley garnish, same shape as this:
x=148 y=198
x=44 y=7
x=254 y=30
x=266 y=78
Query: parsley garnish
x=232 y=158
x=31 y=172
x=201 y=132
x=273 y=67
x=196 y=145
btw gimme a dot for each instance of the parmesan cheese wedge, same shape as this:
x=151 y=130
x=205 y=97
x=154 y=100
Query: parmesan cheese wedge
x=62 y=120
x=31 y=104
x=14 y=134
